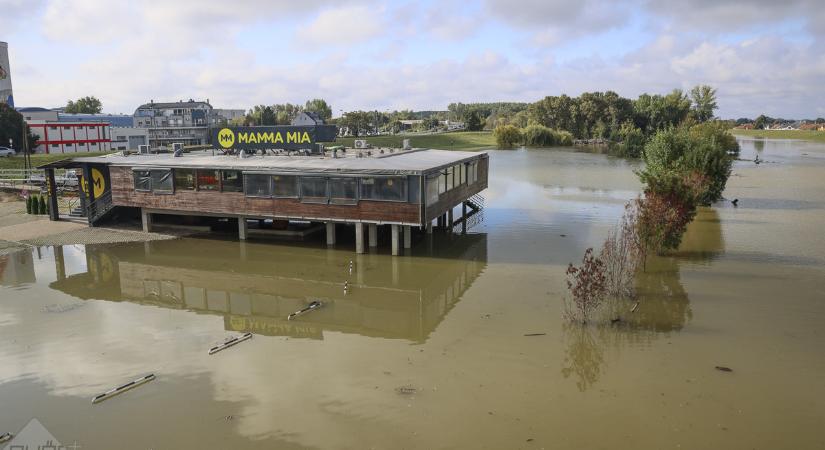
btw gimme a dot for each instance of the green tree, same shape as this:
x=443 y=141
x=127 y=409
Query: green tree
x=319 y=106
x=762 y=122
x=84 y=105
x=14 y=127
x=35 y=205
x=704 y=102
x=507 y=136
x=472 y=121
x=44 y=207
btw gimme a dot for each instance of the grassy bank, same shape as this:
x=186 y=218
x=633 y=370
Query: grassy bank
x=16 y=162
x=818 y=136
x=461 y=140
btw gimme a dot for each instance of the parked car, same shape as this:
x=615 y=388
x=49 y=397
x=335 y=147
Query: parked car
x=7 y=152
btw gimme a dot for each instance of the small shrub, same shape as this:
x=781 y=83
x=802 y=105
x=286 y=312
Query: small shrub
x=507 y=136
x=622 y=255
x=42 y=205
x=587 y=285
x=29 y=204
x=35 y=205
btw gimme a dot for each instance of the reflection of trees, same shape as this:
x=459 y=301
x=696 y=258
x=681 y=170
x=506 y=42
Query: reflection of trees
x=664 y=305
x=759 y=145
x=583 y=355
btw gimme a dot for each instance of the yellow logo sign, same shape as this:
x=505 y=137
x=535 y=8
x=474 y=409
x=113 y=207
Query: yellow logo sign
x=226 y=138
x=97 y=180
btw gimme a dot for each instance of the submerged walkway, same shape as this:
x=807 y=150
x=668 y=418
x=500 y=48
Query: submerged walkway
x=20 y=230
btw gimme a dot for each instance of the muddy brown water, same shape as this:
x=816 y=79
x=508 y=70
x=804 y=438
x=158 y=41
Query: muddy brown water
x=429 y=351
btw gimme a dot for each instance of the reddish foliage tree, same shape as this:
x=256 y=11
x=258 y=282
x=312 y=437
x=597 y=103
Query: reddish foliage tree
x=587 y=284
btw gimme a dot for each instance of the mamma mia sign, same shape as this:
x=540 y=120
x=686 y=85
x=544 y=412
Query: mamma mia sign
x=280 y=137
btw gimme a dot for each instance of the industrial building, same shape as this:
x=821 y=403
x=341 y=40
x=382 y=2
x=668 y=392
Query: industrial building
x=70 y=137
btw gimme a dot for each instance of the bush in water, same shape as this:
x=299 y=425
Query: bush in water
x=587 y=284
x=507 y=136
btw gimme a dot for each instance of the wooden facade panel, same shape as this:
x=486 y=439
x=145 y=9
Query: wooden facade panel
x=236 y=203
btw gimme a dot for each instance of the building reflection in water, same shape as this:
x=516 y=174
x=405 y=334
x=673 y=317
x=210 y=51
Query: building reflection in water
x=17 y=268
x=255 y=286
x=664 y=305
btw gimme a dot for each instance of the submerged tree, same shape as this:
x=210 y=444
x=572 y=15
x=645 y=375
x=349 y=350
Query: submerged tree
x=587 y=284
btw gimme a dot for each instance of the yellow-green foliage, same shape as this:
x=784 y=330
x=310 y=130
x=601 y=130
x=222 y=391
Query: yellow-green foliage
x=507 y=136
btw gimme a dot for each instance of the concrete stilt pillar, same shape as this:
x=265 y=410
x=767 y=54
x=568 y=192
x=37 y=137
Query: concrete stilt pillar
x=450 y=219
x=242 y=228
x=430 y=227
x=330 y=233
x=395 y=246
x=463 y=217
x=407 y=236
x=359 y=237
x=373 y=234
x=146 y=218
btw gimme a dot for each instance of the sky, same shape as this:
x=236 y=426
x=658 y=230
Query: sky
x=761 y=56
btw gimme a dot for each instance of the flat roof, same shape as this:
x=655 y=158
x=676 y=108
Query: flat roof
x=399 y=162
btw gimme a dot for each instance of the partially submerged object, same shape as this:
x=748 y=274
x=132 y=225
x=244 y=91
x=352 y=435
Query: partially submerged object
x=312 y=306
x=229 y=343
x=121 y=389
x=5 y=437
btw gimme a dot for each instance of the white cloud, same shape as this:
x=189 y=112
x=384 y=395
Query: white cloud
x=368 y=55
x=347 y=25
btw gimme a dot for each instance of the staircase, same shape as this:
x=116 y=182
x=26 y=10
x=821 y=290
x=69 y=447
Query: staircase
x=475 y=216
x=99 y=208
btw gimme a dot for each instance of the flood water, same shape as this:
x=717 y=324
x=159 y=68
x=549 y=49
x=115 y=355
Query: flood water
x=429 y=351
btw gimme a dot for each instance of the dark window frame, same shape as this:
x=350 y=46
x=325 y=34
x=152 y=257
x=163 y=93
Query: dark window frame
x=297 y=185
x=404 y=197
x=246 y=184
x=344 y=200
x=313 y=199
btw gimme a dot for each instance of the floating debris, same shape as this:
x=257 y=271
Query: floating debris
x=346 y=287
x=121 y=389
x=633 y=309
x=723 y=369
x=230 y=342
x=406 y=390
x=535 y=334
x=350 y=267
x=310 y=307
x=58 y=308
x=5 y=437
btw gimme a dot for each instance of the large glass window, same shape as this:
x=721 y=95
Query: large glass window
x=384 y=188
x=463 y=173
x=343 y=190
x=450 y=172
x=314 y=189
x=442 y=183
x=433 y=181
x=185 y=179
x=414 y=189
x=256 y=185
x=162 y=181
x=284 y=186
x=208 y=180
x=231 y=181
x=143 y=181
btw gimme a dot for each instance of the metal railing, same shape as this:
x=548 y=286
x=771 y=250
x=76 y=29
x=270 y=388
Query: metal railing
x=98 y=208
